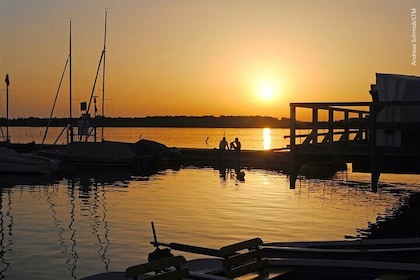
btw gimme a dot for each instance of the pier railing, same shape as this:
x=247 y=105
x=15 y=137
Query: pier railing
x=351 y=126
x=349 y=129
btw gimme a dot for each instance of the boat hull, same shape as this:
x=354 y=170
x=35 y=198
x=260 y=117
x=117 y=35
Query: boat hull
x=13 y=162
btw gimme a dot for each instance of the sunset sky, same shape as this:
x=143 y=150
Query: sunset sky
x=200 y=57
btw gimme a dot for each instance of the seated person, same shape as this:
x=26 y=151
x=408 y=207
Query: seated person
x=223 y=145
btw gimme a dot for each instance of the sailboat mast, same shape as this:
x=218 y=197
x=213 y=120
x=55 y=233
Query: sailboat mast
x=102 y=58
x=103 y=79
x=6 y=80
x=70 y=90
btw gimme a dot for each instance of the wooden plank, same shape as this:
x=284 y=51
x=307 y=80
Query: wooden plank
x=242 y=258
x=194 y=249
x=247 y=244
x=224 y=251
x=238 y=264
x=353 y=243
x=326 y=105
x=345 y=250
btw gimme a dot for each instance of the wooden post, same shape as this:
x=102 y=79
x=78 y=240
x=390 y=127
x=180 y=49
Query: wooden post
x=315 y=125
x=346 y=129
x=361 y=131
x=374 y=171
x=293 y=157
x=330 y=125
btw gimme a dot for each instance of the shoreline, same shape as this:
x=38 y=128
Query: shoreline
x=157 y=121
x=403 y=223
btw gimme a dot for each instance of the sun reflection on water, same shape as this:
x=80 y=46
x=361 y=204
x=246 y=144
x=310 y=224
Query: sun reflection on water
x=267 y=138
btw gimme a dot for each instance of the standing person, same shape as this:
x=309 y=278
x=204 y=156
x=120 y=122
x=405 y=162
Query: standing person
x=223 y=145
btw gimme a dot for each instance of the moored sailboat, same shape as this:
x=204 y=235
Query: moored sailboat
x=84 y=149
x=14 y=162
x=27 y=163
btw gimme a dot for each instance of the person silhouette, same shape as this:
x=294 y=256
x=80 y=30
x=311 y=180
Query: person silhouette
x=236 y=145
x=223 y=145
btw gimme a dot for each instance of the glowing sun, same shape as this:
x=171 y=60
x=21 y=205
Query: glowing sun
x=266 y=92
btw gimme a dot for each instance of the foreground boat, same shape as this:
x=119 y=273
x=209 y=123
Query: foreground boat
x=252 y=259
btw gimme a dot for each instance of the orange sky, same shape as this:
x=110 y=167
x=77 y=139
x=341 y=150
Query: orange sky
x=189 y=57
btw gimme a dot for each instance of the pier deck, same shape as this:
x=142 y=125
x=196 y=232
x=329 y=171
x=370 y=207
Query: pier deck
x=266 y=159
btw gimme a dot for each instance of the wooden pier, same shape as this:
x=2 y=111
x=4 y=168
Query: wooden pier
x=370 y=135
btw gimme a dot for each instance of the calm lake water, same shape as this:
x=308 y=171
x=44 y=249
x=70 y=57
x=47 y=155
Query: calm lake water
x=251 y=138
x=76 y=225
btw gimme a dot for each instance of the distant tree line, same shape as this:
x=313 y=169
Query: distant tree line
x=160 y=121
